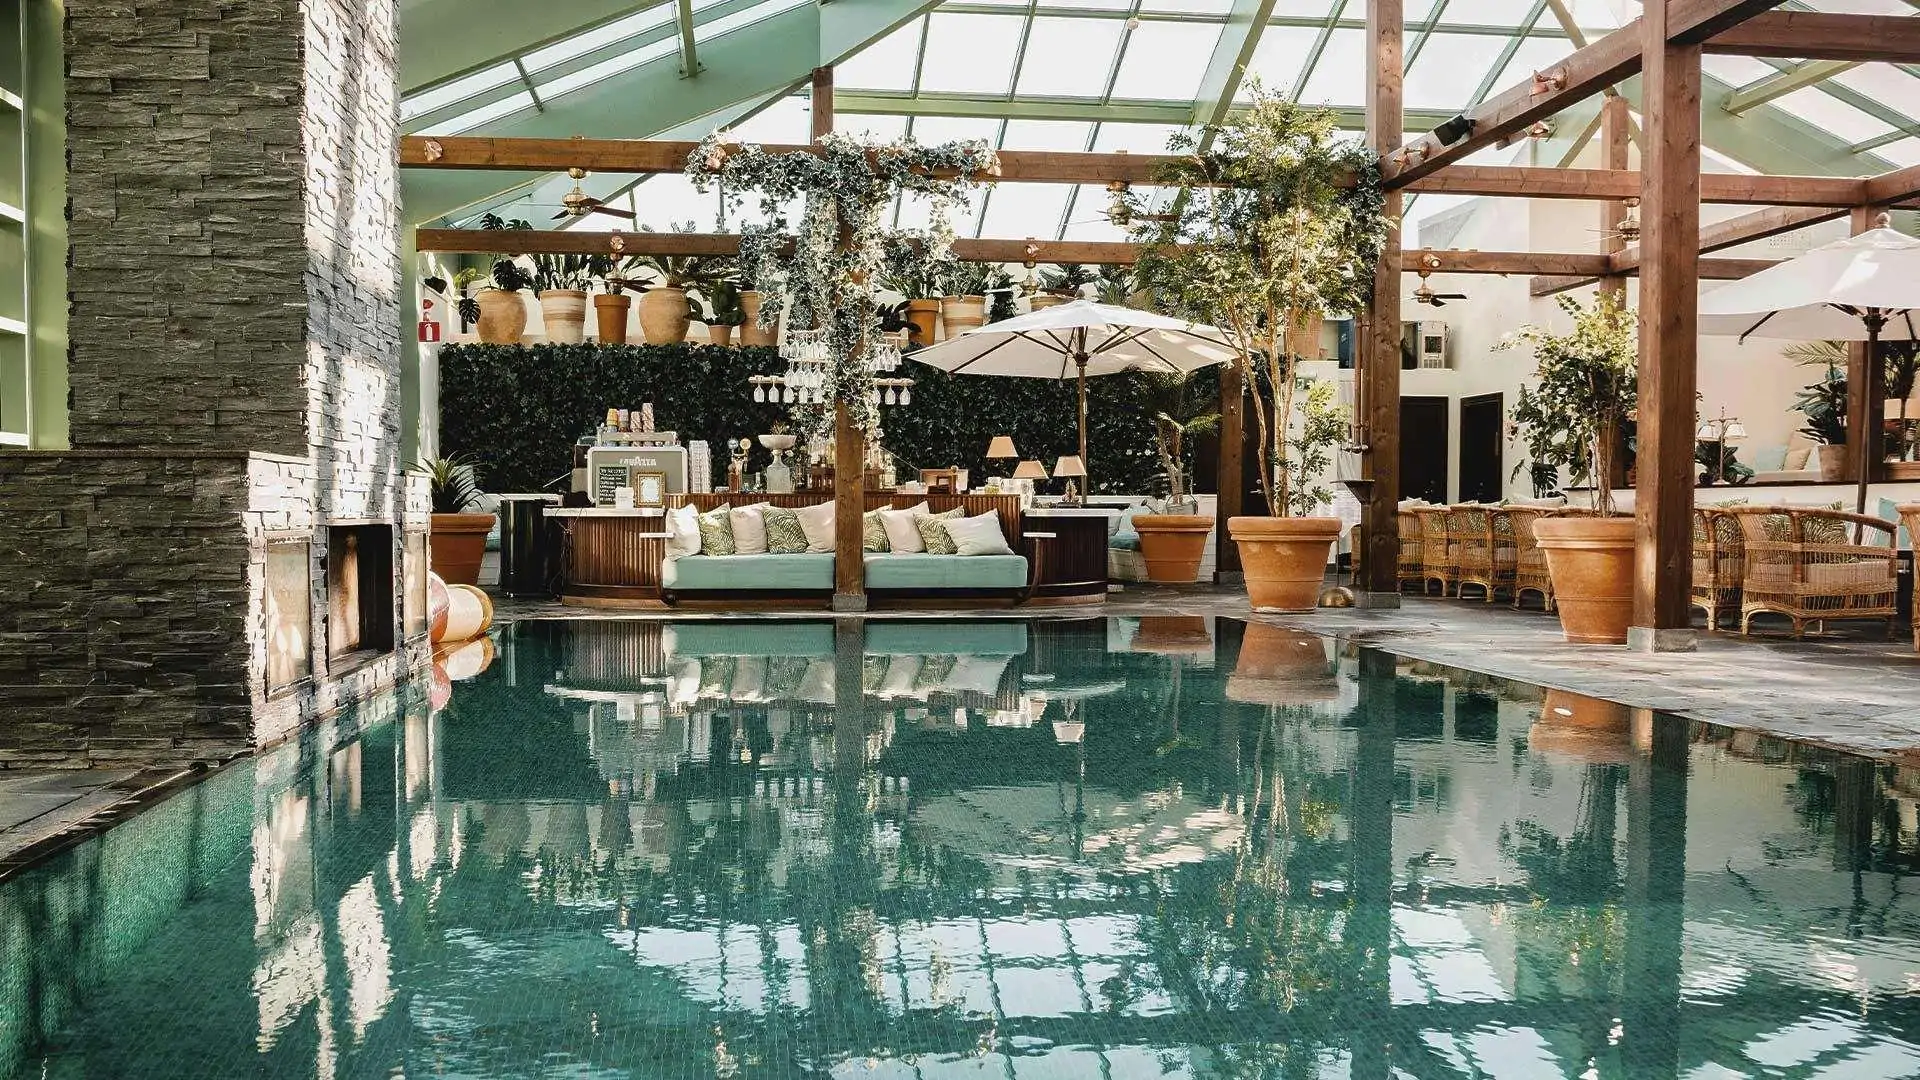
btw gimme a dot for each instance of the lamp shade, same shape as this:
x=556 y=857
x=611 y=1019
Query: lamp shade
x=1070 y=465
x=1002 y=447
x=1030 y=470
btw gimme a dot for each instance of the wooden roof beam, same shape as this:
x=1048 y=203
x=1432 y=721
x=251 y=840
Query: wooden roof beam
x=1819 y=35
x=1579 y=76
x=1894 y=187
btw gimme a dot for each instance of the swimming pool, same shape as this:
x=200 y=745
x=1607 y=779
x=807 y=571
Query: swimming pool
x=1107 y=848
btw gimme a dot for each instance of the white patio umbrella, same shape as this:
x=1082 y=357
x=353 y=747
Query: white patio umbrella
x=1863 y=288
x=1077 y=341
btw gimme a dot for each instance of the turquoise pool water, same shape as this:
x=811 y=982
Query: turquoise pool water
x=1063 y=848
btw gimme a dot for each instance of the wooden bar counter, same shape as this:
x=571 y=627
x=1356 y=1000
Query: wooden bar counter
x=1076 y=567
x=611 y=558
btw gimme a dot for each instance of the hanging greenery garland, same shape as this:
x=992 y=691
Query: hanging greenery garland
x=825 y=271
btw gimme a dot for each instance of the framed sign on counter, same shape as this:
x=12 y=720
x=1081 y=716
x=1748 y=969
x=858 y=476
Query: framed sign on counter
x=649 y=487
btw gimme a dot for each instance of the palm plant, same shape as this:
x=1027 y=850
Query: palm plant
x=694 y=273
x=1068 y=279
x=553 y=273
x=967 y=279
x=1899 y=368
x=454 y=486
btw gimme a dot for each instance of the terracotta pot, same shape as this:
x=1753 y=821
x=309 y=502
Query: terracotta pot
x=1172 y=545
x=1591 y=561
x=1584 y=728
x=751 y=332
x=610 y=313
x=458 y=542
x=503 y=317
x=1045 y=300
x=663 y=316
x=1833 y=462
x=564 y=311
x=1285 y=559
x=962 y=313
x=1278 y=666
x=924 y=319
x=719 y=334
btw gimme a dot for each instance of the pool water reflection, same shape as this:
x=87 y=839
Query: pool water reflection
x=1106 y=848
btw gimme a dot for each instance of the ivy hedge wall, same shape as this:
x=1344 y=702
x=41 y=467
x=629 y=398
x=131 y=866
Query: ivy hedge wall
x=516 y=410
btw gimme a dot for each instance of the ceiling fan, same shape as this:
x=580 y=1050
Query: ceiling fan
x=1424 y=294
x=1628 y=231
x=578 y=204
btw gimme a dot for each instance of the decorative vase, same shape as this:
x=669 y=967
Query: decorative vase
x=1045 y=300
x=1285 y=559
x=610 y=313
x=663 y=315
x=962 y=313
x=923 y=317
x=503 y=317
x=1278 y=666
x=1172 y=545
x=458 y=542
x=751 y=332
x=719 y=334
x=1833 y=461
x=564 y=311
x=1591 y=562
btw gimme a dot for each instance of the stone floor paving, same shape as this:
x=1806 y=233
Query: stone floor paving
x=43 y=810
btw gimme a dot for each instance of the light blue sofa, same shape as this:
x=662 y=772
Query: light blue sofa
x=919 y=572
x=778 y=575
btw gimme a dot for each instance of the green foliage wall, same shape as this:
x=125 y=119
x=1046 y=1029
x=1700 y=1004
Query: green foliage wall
x=516 y=410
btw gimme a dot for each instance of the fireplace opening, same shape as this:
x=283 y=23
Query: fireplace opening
x=360 y=612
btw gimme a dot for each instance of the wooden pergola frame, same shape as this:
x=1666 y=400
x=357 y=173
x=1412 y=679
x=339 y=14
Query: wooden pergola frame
x=1663 y=47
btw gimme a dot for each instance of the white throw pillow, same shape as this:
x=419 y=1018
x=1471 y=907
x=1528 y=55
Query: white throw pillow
x=683 y=532
x=749 y=529
x=903 y=532
x=817 y=523
x=978 y=535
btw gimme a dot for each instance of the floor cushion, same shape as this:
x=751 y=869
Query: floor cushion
x=901 y=570
x=699 y=573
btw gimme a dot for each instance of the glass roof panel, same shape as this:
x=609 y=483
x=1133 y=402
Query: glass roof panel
x=1905 y=153
x=587 y=76
x=1166 y=60
x=886 y=64
x=787 y=121
x=1828 y=113
x=933 y=130
x=1069 y=57
x=1534 y=54
x=1045 y=135
x=1134 y=138
x=1017 y=210
x=1886 y=84
x=1191 y=7
x=1450 y=68
x=1088 y=218
x=869 y=126
x=1598 y=14
x=447 y=93
x=1736 y=70
x=727 y=24
x=1487 y=12
x=1304 y=9
x=467 y=121
x=585 y=42
x=1340 y=78
x=1416 y=12
x=1278 y=60
x=970 y=54
x=915 y=211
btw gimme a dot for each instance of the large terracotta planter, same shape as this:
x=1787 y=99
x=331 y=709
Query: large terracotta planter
x=1278 y=666
x=1833 y=462
x=1172 y=545
x=663 y=316
x=458 y=542
x=1285 y=559
x=503 y=317
x=962 y=313
x=923 y=321
x=719 y=334
x=1591 y=561
x=1040 y=301
x=751 y=333
x=564 y=311
x=610 y=316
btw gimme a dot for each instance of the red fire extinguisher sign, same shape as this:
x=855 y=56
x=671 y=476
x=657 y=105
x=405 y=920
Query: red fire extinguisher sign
x=429 y=326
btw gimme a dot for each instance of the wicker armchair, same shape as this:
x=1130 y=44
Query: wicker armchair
x=1436 y=549
x=1412 y=551
x=1815 y=565
x=1480 y=539
x=1529 y=561
x=1910 y=521
x=1719 y=561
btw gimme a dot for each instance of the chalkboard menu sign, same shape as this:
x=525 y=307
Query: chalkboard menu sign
x=605 y=479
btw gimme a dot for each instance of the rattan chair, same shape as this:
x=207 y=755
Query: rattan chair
x=1814 y=566
x=1412 y=551
x=1480 y=540
x=1529 y=561
x=1719 y=561
x=1436 y=550
x=1910 y=521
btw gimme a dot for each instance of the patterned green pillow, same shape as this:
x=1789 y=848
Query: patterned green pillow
x=874 y=532
x=716 y=532
x=933 y=531
x=1821 y=530
x=784 y=534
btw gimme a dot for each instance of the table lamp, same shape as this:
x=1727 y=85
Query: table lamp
x=1028 y=473
x=1070 y=466
x=1001 y=449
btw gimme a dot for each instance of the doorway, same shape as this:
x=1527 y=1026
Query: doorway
x=1423 y=448
x=1482 y=449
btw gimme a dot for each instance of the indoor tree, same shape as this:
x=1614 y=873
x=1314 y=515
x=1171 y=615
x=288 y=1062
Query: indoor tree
x=1586 y=385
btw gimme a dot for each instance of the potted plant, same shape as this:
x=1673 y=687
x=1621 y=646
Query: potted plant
x=1174 y=540
x=1274 y=226
x=1003 y=296
x=963 y=304
x=724 y=295
x=464 y=304
x=921 y=298
x=1585 y=388
x=561 y=282
x=1064 y=284
x=670 y=303
x=458 y=539
x=611 y=304
x=751 y=332
x=1824 y=403
x=503 y=312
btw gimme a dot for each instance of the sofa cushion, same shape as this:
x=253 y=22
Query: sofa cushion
x=699 y=573
x=1125 y=541
x=716 y=531
x=900 y=570
x=784 y=534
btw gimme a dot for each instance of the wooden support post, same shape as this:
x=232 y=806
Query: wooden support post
x=1866 y=389
x=1232 y=469
x=822 y=106
x=1379 y=360
x=1615 y=122
x=849 y=442
x=1669 y=341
